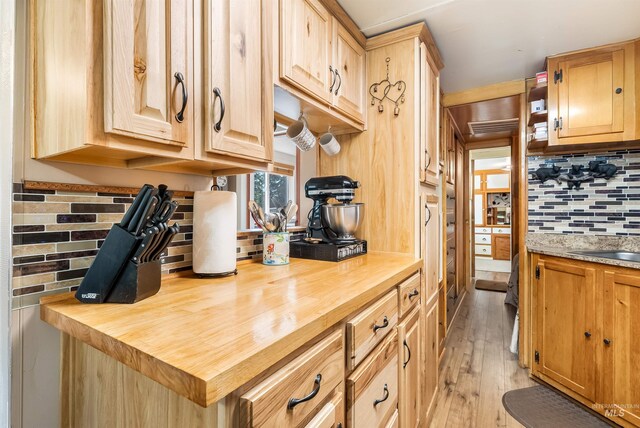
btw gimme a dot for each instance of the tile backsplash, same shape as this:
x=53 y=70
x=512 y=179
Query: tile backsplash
x=57 y=234
x=601 y=207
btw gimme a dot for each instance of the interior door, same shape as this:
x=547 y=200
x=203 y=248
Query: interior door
x=565 y=330
x=621 y=326
x=409 y=372
x=238 y=86
x=305 y=46
x=147 y=69
x=349 y=91
x=589 y=102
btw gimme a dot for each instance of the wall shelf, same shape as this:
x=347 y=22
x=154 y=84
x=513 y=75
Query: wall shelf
x=537 y=117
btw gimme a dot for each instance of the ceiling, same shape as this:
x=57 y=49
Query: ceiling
x=498 y=109
x=490 y=41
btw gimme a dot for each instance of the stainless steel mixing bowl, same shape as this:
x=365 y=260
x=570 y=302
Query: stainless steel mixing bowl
x=343 y=219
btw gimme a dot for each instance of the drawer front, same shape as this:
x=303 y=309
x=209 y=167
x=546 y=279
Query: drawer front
x=393 y=421
x=483 y=250
x=483 y=239
x=331 y=415
x=369 y=327
x=408 y=294
x=483 y=230
x=372 y=389
x=502 y=230
x=271 y=403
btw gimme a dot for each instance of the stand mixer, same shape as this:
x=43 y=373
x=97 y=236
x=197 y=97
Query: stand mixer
x=331 y=227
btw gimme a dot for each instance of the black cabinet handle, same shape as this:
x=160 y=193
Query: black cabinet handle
x=428 y=218
x=618 y=90
x=587 y=334
x=185 y=96
x=333 y=79
x=426 y=152
x=384 y=397
x=413 y=293
x=316 y=387
x=385 y=323
x=607 y=342
x=339 y=83
x=406 y=345
x=218 y=95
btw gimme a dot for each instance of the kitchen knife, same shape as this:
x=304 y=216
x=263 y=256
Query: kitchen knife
x=139 y=211
x=126 y=219
x=166 y=240
x=147 y=212
x=149 y=234
x=154 y=244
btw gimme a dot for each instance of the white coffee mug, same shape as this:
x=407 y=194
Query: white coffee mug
x=329 y=144
x=300 y=134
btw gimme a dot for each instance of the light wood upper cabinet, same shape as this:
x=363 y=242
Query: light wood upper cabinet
x=305 y=47
x=409 y=370
x=349 y=72
x=592 y=95
x=621 y=343
x=566 y=330
x=147 y=73
x=238 y=93
x=429 y=106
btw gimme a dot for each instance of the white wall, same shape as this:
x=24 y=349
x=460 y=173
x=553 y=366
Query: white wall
x=7 y=52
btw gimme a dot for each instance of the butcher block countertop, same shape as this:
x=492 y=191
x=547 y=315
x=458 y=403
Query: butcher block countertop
x=204 y=338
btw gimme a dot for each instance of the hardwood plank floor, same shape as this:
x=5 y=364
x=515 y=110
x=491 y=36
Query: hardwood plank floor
x=477 y=367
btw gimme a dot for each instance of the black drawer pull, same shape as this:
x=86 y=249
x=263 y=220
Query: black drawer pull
x=316 y=387
x=218 y=94
x=413 y=294
x=384 y=397
x=406 y=345
x=587 y=334
x=385 y=323
x=607 y=342
x=185 y=96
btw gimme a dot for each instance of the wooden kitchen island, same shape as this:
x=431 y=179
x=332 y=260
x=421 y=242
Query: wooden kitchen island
x=233 y=351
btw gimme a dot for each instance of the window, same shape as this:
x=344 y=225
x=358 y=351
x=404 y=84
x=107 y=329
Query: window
x=271 y=192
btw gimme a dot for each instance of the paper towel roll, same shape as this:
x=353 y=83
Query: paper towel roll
x=215 y=224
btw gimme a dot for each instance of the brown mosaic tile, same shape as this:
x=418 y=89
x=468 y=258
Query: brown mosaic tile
x=69 y=274
x=28 y=198
x=85 y=235
x=39 y=238
x=72 y=254
x=97 y=208
x=25 y=281
x=28 y=290
x=27 y=259
x=76 y=218
x=34 y=268
x=40 y=207
x=29 y=228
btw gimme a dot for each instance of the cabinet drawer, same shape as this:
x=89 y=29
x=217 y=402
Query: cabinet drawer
x=483 y=239
x=502 y=230
x=270 y=403
x=331 y=415
x=393 y=421
x=483 y=230
x=483 y=250
x=408 y=294
x=369 y=327
x=372 y=389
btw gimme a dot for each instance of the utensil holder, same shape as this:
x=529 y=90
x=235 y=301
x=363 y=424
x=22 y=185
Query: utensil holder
x=275 y=248
x=136 y=282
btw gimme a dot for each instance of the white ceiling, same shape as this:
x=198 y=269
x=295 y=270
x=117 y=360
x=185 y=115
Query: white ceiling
x=490 y=41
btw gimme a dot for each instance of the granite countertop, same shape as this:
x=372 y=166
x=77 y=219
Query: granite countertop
x=204 y=338
x=563 y=245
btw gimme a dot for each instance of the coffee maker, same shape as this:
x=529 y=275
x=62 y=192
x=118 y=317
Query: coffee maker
x=331 y=227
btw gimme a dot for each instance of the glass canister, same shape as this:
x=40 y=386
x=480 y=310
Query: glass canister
x=275 y=248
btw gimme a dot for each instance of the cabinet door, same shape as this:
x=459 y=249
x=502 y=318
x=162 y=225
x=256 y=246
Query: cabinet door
x=409 y=373
x=498 y=181
x=478 y=209
x=238 y=88
x=588 y=101
x=430 y=357
x=349 y=66
x=431 y=242
x=565 y=325
x=429 y=104
x=305 y=46
x=501 y=247
x=621 y=326
x=148 y=70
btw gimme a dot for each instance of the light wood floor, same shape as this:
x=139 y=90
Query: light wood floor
x=477 y=367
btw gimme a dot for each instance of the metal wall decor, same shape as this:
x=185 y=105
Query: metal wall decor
x=577 y=175
x=384 y=89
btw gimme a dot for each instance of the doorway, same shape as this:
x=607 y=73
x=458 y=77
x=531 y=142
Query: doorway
x=492 y=215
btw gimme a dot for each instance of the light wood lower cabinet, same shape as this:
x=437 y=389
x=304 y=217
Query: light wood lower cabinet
x=409 y=295
x=331 y=415
x=410 y=370
x=372 y=389
x=585 y=333
x=430 y=356
x=289 y=396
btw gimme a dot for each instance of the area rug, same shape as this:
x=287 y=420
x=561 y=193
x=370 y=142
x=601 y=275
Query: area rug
x=485 y=284
x=541 y=407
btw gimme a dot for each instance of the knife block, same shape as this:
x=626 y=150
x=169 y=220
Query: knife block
x=114 y=255
x=136 y=282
